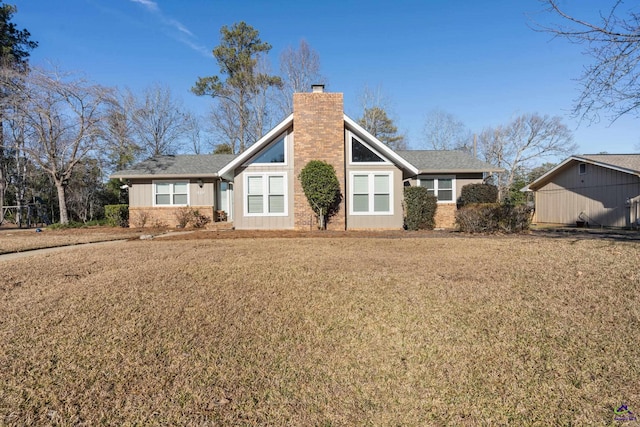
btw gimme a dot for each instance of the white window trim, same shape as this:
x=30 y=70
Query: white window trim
x=376 y=152
x=371 y=175
x=170 y=181
x=284 y=136
x=265 y=188
x=436 y=178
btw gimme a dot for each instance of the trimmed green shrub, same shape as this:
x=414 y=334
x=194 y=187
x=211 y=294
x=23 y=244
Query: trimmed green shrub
x=117 y=215
x=322 y=189
x=478 y=193
x=493 y=217
x=419 y=209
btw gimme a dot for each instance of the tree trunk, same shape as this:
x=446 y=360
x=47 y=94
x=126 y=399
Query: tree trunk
x=3 y=179
x=62 y=201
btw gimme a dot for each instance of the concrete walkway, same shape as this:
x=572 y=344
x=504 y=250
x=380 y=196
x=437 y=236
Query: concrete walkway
x=33 y=252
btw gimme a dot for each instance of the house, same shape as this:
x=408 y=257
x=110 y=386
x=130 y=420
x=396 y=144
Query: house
x=599 y=189
x=259 y=189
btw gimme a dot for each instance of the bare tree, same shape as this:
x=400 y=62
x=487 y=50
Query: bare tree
x=521 y=144
x=61 y=115
x=159 y=122
x=375 y=118
x=612 y=82
x=444 y=131
x=299 y=68
x=120 y=146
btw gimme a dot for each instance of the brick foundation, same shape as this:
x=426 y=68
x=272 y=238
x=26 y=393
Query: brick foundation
x=140 y=217
x=318 y=135
x=446 y=216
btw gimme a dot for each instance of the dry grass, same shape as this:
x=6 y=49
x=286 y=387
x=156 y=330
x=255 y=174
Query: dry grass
x=19 y=240
x=439 y=331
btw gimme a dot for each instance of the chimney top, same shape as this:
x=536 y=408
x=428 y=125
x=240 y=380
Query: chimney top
x=317 y=88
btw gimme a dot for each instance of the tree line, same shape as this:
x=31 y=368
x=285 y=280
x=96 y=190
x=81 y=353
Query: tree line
x=61 y=134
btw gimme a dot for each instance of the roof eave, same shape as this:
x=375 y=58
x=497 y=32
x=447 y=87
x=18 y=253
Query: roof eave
x=164 y=176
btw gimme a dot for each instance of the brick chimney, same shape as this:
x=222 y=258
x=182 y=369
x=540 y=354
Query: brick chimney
x=318 y=128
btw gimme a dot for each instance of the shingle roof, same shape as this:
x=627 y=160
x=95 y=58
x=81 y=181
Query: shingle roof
x=189 y=165
x=441 y=161
x=624 y=161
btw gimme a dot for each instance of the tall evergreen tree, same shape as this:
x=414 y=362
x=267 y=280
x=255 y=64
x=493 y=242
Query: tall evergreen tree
x=15 y=48
x=237 y=55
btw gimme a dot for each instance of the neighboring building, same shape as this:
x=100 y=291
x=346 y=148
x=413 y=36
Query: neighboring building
x=259 y=189
x=600 y=189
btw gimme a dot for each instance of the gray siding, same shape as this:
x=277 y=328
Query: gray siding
x=394 y=221
x=600 y=194
x=141 y=193
x=240 y=219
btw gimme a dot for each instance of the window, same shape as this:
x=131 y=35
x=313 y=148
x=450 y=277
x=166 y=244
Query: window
x=360 y=153
x=582 y=169
x=442 y=187
x=167 y=193
x=266 y=194
x=371 y=193
x=272 y=154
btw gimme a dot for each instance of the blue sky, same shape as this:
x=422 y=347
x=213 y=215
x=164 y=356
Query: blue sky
x=479 y=60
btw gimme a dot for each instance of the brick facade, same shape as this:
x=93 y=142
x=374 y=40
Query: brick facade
x=446 y=216
x=140 y=217
x=319 y=135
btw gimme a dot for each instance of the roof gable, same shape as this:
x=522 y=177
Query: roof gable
x=627 y=163
x=227 y=170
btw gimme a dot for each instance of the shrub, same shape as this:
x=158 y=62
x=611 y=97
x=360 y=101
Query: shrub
x=419 y=209
x=187 y=215
x=322 y=189
x=199 y=220
x=140 y=219
x=478 y=193
x=493 y=217
x=184 y=216
x=117 y=215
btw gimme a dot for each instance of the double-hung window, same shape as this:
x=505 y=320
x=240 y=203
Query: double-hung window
x=266 y=194
x=171 y=193
x=371 y=193
x=441 y=187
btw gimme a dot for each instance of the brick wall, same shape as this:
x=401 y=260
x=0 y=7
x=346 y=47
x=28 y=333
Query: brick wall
x=446 y=216
x=318 y=120
x=161 y=217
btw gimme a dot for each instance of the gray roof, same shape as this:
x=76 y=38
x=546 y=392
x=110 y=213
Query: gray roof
x=186 y=165
x=630 y=162
x=443 y=161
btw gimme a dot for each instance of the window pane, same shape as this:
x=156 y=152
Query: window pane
x=276 y=185
x=163 y=188
x=179 y=199
x=254 y=204
x=427 y=183
x=361 y=203
x=360 y=153
x=361 y=183
x=381 y=203
x=445 y=195
x=163 y=199
x=273 y=154
x=180 y=188
x=276 y=204
x=254 y=184
x=445 y=184
x=381 y=184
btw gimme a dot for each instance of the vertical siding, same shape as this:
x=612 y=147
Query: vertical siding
x=394 y=221
x=600 y=194
x=141 y=192
x=240 y=220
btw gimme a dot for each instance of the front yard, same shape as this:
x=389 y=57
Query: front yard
x=323 y=331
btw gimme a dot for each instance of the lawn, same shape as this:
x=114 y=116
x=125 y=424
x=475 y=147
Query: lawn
x=323 y=331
